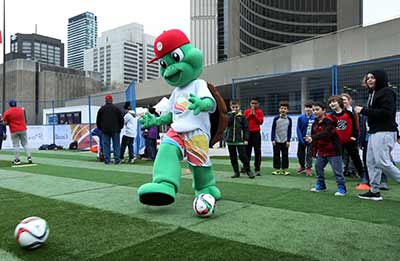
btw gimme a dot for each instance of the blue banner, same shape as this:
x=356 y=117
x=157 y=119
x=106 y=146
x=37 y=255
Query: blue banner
x=130 y=94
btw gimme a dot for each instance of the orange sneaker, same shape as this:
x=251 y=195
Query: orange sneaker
x=309 y=172
x=363 y=186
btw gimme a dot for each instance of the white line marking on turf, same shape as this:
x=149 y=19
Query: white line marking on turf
x=23 y=165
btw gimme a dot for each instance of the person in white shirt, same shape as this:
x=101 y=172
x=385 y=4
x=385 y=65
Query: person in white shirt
x=129 y=133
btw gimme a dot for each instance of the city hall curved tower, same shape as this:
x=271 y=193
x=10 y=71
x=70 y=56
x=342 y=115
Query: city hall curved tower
x=248 y=26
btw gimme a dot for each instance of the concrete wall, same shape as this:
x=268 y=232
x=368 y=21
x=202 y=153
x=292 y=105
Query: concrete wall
x=35 y=86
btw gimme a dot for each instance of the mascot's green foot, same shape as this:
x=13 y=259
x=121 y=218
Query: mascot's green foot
x=157 y=194
x=212 y=190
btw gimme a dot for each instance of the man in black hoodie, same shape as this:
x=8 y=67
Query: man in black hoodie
x=381 y=121
x=110 y=122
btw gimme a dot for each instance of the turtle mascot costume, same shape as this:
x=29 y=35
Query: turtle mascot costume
x=193 y=106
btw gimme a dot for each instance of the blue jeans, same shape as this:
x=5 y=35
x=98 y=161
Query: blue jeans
x=115 y=137
x=336 y=165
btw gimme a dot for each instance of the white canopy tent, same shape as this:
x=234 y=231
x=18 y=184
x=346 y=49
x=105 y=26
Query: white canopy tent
x=162 y=105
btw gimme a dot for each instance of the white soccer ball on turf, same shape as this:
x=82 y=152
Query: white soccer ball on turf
x=204 y=205
x=31 y=232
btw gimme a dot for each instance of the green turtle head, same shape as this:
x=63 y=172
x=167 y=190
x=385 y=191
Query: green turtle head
x=182 y=65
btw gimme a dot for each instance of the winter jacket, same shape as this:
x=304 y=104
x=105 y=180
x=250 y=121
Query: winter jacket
x=3 y=130
x=345 y=125
x=237 y=130
x=381 y=107
x=254 y=121
x=16 y=119
x=325 y=139
x=363 y=135
x=109 y=119
x=288 y=132
x=302 y=125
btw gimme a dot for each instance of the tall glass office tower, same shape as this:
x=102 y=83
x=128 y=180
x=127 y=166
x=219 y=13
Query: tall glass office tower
x=82 y=35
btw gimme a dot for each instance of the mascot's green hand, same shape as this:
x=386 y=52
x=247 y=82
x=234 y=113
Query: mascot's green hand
x=148 y=120
x=198 y=105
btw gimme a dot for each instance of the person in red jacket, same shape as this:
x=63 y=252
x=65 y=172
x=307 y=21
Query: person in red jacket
x=326 y=148
x=15 y=118
x=255 y=118
x=347 y=131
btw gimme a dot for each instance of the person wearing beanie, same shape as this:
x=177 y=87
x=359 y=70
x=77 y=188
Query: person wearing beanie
x=15 y=118
x=381 y=121
x=110 y=122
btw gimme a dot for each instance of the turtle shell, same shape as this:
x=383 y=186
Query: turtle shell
x=218 y=118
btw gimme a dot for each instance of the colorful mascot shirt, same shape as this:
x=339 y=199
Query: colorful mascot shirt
x=183 y=119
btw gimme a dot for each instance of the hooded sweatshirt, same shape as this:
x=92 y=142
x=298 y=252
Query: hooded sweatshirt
x=381 y=107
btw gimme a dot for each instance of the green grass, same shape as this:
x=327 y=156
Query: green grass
x=93 y=213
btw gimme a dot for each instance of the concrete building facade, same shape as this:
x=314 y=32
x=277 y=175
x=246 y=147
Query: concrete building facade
x=82 y=35
x=203 y=28
x=249 y=26
x=39 y=48
x=38 y=86
x=121 y=56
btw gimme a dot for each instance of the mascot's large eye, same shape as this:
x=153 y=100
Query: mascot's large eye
x=177 y=55
x=163 y=64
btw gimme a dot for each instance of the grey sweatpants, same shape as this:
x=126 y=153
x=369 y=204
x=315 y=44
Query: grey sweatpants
x=18 y=137
x=379 y=160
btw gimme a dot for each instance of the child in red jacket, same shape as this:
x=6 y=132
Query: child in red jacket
x=326 y=148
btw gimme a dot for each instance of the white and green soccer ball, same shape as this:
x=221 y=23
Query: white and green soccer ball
x=204 y=205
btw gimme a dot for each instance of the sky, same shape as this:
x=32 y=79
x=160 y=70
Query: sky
x=51 y=16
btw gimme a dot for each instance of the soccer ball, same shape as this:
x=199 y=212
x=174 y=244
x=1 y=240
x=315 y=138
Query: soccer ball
x=204 y=205
x=31 y=232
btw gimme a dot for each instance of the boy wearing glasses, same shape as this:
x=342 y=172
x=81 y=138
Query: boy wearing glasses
x=255 y=118
x=236 y=137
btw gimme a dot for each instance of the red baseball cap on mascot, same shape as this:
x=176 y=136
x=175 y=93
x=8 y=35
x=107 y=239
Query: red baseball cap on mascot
x=167 y=42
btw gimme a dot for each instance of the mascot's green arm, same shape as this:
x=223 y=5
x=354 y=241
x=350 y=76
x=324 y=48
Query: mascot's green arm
x=200 y=104
x=149 y=120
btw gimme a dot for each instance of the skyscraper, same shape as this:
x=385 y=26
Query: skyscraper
x=121 y=56
x=82 y=35
x=38 y=48
x=248 y=26
x=203 y=16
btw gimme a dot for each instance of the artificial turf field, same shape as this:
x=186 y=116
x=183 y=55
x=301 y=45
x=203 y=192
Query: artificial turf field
x=94 y=214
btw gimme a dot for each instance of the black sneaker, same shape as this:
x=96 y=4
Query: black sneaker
x=371 y=196
x=258 y=174
x=16 y=162
x=251 y=174
x=235 y=175
x=30 y=160
x=242 y=170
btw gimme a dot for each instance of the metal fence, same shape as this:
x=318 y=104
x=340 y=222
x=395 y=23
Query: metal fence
x=312 y=85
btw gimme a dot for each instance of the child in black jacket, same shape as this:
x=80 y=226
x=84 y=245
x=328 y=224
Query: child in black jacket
x=236 y=137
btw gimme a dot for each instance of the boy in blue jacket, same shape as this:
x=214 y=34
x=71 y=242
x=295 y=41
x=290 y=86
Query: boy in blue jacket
x=304 y=149
x=236 y=137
